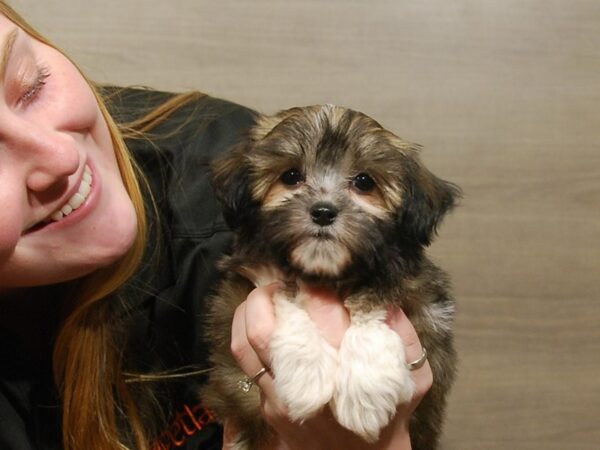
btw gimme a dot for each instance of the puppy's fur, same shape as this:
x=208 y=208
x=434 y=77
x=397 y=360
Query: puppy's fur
x=324 y=196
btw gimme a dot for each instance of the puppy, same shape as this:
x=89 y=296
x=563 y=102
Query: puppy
x=324 y=196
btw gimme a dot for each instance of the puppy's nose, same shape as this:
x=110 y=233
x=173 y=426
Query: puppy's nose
x=323 y=213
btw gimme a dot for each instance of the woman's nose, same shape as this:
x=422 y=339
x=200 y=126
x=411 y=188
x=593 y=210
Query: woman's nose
x=50 y=157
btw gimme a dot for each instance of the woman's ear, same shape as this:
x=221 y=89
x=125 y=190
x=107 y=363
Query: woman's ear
x=427 y=199
x=231 y=181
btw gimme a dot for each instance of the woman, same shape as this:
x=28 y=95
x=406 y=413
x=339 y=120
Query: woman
x=103 y=270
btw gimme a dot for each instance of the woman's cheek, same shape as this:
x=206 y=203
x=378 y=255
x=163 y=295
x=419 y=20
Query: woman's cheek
x=10 y=224
x=8 y=242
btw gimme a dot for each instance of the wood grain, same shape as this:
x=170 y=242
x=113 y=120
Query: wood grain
x=504 y=96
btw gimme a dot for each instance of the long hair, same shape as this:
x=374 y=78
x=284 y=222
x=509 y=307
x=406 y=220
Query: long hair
x=87 y=358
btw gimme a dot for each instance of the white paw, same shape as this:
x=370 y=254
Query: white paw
x=372 y=378
x=303 y=362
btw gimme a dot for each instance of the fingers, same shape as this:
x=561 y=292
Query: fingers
x=398 y=321
x=423 y=376
x=253 y=324
x=255 y=321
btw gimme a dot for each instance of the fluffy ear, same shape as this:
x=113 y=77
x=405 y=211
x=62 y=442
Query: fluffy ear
x=265 y=124
x=427 y=199
x=231 y=181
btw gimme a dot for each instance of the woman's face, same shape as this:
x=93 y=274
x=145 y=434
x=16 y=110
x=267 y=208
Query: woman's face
x=64 y=210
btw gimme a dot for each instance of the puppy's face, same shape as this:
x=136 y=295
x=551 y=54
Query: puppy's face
x=326 y=189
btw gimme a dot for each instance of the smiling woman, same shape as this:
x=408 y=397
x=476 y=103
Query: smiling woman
x=70 y=206
x=53 y=133
x=102 y=342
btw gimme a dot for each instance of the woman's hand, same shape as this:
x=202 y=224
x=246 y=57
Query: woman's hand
x=253 y=324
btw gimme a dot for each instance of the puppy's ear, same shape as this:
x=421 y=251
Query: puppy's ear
x=265 y=124
x=231 y=180
x=427 y=199
x=232 y=175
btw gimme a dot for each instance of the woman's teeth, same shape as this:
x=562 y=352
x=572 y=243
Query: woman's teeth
x=78 y=198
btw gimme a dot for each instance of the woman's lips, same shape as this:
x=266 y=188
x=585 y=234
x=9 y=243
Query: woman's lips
x=77 y=205
x=77 y=199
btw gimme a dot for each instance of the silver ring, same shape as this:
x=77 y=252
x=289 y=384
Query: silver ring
x=246 y=384
x=417 y=364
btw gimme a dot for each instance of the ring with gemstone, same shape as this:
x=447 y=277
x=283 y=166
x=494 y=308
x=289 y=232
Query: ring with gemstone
x=246 y=384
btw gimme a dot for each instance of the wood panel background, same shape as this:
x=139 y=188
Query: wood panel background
x=504 y=96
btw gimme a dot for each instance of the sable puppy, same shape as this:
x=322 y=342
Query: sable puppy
x=323 y=195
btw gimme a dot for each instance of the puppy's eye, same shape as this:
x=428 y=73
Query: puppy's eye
x=292 y=177
x=363 y=182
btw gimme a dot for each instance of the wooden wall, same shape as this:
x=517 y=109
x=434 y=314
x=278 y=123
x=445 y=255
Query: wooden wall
x=505 y=97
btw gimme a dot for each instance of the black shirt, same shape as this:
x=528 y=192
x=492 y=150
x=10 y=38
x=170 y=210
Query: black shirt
x=166 y=300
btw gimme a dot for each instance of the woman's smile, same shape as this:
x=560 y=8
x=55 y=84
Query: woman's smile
x=78 y=198
x=81 y=199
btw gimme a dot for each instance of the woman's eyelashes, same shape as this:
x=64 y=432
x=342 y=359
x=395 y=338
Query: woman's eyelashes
x=33 y=89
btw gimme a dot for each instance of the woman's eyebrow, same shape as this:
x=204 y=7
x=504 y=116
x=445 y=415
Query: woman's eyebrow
x=7 y=49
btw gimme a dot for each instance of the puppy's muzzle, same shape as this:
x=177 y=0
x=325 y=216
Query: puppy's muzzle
x=323 y=213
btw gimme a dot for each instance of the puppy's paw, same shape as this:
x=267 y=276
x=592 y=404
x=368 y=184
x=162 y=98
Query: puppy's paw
x=304 y=363
x=372 y=378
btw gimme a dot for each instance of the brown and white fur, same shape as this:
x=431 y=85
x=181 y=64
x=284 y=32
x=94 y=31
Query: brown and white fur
x=324 y=196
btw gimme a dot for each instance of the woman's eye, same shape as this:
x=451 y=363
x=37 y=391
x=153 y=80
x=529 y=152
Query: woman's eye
x=35 y=88
x=363 y=182
x=292 y=177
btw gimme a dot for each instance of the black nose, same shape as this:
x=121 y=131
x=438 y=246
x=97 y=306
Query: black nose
x=323 y=213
